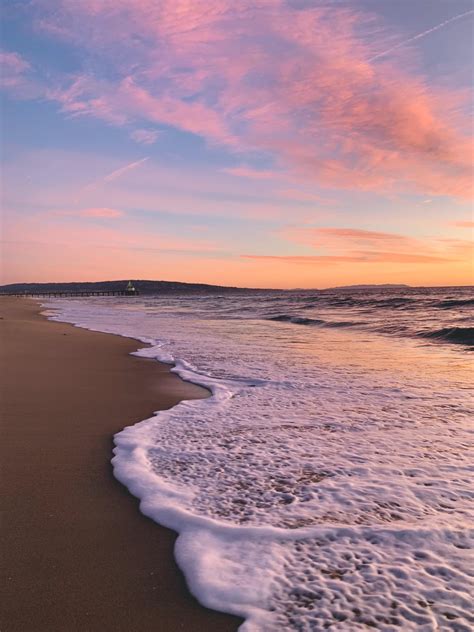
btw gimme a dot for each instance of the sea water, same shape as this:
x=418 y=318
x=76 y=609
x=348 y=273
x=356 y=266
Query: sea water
x=327 y=482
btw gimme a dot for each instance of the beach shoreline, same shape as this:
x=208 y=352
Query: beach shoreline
x=77 y=553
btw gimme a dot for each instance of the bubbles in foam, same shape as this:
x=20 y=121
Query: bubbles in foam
x=326 y=484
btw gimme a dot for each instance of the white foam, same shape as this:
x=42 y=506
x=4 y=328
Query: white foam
x=314 y=489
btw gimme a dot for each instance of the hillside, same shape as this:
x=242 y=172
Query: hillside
x=143 y=286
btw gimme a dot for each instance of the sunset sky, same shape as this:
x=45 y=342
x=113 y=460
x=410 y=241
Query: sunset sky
x=264 y=143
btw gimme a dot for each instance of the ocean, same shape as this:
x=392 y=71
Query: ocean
x=327 y=482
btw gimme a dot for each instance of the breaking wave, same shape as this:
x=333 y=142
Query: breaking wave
x=454 y=303
x=456 y=335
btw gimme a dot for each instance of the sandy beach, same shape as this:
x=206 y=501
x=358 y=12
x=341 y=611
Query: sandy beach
x=77 y=553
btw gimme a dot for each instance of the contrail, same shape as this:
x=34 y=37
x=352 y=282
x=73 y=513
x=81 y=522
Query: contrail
x=118 y=172
x=420 y=35
x=114 y=174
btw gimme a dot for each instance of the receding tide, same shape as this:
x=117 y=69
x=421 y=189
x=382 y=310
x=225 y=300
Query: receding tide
x=326 y=481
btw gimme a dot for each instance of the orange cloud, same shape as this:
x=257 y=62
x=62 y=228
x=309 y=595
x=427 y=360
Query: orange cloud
x=463 y=224
x=351 y=245
x=350 y=238
x=460 y=247
x=357 y=257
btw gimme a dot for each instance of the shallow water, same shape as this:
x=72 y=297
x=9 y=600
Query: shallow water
x=326 y=484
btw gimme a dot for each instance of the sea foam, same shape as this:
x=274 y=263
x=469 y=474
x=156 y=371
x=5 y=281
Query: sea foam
x=326 y=482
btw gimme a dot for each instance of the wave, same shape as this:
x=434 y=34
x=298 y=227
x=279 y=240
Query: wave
x=342 y=323
x=389 y=303
x=395 y=302
x=446 y=304
x=456 y=335
x=298 y=320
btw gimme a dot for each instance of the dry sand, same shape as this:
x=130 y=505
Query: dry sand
x=77 y=553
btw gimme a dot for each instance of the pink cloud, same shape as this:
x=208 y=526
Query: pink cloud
x=253 y=75
x=255 y=174
x=194 y=117
x=304 y=196
x=144 y=136
x=15 y=75
x=12 y=63
x=100 y=213
x=126 y=102
x=86 y=96
x=107 y=213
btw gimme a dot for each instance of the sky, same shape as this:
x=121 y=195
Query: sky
x=257 y=143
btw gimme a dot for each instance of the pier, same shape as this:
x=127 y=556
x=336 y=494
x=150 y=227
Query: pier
x=130 y=290
x=62 y=293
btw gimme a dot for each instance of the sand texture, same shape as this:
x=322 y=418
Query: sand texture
x=77 y=553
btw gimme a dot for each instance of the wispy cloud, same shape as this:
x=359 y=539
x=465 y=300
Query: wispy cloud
x=254 y=174
x=17 y=76
x=342 y=239
x=144 y=136
x=98 y=213
x=13 y=65
x=358 y=257
x=325 y=111
x=350 y=245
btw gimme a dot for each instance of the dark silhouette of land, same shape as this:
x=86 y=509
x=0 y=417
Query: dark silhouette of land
x=142 y=286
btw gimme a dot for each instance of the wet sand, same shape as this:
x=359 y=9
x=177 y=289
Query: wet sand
x=77 y=554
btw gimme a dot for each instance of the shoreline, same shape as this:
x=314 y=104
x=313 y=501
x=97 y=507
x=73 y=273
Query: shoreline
x=78 y=554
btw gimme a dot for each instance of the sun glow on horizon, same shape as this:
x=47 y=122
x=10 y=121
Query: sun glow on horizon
x=264 y=144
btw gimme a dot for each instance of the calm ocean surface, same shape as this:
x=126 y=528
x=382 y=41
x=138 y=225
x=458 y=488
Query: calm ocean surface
x=327 y=483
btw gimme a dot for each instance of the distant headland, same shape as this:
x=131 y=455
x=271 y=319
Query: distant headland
x=166 y=287
x=143 y=287
x=171 y=287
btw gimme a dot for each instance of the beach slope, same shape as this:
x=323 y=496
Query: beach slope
x=77 y=553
